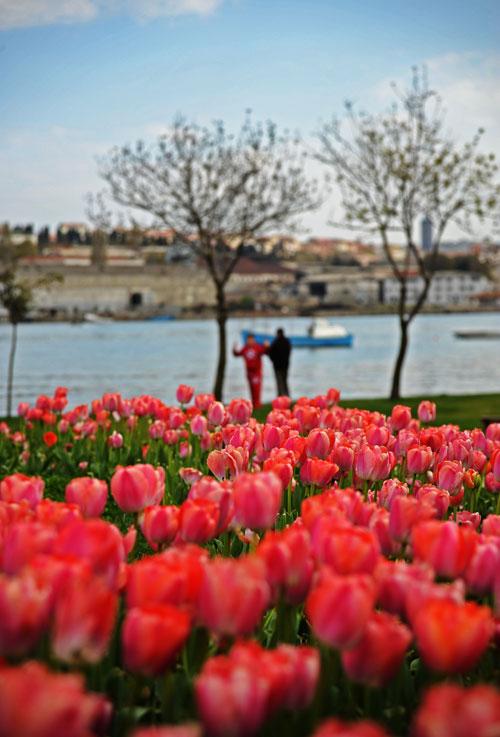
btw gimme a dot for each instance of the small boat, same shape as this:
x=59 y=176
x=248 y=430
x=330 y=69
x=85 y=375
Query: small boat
x=478 y=334
x=161 y=318
x=95 y=318
x=320 y=334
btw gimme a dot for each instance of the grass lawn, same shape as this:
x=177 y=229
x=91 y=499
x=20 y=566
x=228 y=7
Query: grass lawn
x=466 y=410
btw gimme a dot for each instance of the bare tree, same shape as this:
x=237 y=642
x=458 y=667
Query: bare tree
x=397 y=167
x=214 y=190
x=101 y=218
x=16 y=295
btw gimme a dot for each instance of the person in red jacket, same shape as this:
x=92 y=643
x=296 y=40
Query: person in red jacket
x=252 y=353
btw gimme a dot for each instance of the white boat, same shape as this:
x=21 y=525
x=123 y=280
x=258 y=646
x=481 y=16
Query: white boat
x=93 y=317
x=322 y=328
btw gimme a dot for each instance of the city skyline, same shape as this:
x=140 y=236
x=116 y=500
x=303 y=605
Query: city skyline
x=83 y=75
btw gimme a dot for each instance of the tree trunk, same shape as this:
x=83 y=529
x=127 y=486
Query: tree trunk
x=221 y=317
x=398 y=366
x=10 y=375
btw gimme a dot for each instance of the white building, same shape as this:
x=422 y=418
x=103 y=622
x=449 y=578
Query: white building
x=447 y=288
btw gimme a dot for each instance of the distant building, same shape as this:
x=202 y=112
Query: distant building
x=427 y=234
x=447 y=288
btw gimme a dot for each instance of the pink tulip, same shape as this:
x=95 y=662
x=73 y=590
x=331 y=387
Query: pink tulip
x=419 y=459
x=449 y=476
x=233 y=595
x=216 y=413
x=239 y=411
x=136 y=487
x=19 y=487
x=89 y=494
x=257 y=499
x=426 y=411
x=318 y=444
x=199 y=425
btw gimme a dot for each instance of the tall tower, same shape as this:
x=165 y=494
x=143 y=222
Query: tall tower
x=426 y=234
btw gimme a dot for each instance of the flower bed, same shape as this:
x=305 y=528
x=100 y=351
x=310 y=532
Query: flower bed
x=331 y=572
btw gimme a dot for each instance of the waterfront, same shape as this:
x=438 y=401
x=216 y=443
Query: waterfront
x=154 y=357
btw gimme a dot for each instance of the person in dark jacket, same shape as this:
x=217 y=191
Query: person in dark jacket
x=279 y=353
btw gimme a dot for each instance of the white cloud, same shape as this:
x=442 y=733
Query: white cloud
x=147 y=9
x=20 y=13
x=25 y=13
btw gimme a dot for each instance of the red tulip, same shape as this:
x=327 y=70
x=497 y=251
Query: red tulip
x=152 y=637
x=317 y=472
x=289 y=563
x=24 y=613
x=400 y=416
x=292 y=672
x=233 y=595
x=345 y=548
x=37 y=703
x=84 y=619
x=395 y=580
x=174 y=577
x=184 y=393
x=89 y=494
x=482 y=568
x=339 y=608
x=97 y=542
x=449 y=710
x=378 y=655
x=18 y=487
x=198 y=520
x=405 y=513
x=232 y=698
x=219 y=493
x=446 y=546
x=257 y=500
x=452 y=637
x=137 y=487
x=159 y=524
x=22 y=541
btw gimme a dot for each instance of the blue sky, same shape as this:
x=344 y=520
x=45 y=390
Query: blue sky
x=78 y=76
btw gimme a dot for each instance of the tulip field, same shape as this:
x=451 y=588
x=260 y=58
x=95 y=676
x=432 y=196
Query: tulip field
x=187 y=571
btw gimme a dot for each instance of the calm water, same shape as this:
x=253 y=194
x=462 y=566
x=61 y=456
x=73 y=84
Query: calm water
x=154 y=357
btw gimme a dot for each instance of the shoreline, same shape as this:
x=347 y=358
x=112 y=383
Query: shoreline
x=208 y=314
